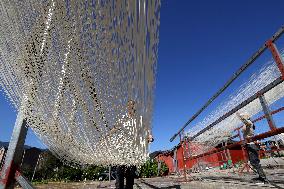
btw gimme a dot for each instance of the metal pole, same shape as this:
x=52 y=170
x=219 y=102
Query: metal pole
x=280 y=63
x=277 y=56
x=241 y=105
x=227 y=151
x=254 y=138
x=244 y=151
x=234 y=77
x=159 y=167
x=109 y=173
x=35 y=168
x=2 y=153
x=23 y=181
x=183 y=158
x=189 y=151
x=175 y=161
x=23 y=158
x=266 y=111
x=269 y=118
x=14 y=153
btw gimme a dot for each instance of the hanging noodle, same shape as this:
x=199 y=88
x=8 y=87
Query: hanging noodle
x=71 y=67
x=222 y=131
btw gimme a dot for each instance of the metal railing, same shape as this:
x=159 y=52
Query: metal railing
x=277 y=57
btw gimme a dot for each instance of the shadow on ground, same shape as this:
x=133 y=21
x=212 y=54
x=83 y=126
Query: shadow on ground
x=242 y=181
x=152 y=186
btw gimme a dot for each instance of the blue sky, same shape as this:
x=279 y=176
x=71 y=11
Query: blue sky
x=202 y=43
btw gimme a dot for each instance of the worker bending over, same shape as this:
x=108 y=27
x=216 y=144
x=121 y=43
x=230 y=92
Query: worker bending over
x=252 y=149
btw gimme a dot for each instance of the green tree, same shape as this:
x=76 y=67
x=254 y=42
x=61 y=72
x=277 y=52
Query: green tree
x=92 y=172
x=150 y=169
x=68 y=173
x=50 y=168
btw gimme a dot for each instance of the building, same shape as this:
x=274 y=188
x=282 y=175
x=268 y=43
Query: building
x=178 y=159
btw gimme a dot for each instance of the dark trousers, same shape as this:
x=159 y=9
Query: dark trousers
x=252 y=150
x=125 y=171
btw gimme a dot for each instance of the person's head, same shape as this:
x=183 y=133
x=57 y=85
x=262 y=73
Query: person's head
x=131 y=107
x=245 y=115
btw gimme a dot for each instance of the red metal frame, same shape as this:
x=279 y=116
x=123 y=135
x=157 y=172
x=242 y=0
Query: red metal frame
x=257 y=137
x=274 y=131
x=276 y=55
x=267 y=112
x=245 y=155
x=10 y=169
x=252 y=139
x=269 y=44
x=182 y=142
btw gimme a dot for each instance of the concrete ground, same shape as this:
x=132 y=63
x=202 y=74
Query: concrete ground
x=205 y=180
x=208 y=179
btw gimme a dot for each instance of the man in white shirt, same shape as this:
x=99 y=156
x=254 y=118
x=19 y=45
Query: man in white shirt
x=252 y=149
x=130 y=123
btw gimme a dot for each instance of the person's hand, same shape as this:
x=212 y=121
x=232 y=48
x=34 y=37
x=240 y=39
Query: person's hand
x=257 y=142
x=150 y=138
x=113 y=130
